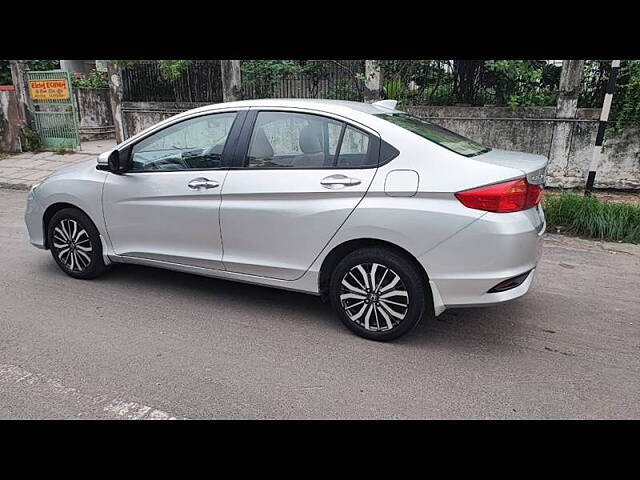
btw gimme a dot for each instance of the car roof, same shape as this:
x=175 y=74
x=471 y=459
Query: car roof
x=325 y=105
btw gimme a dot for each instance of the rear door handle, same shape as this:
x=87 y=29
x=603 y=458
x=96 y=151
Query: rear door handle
x=201 y=182
x=337 y=181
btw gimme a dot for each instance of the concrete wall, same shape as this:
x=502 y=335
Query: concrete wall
x=94 y=113
x=531 y=129
x=137 y=116
x=9 y=120
x=527 y=129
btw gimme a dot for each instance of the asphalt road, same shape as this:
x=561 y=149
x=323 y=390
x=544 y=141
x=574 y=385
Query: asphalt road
x=146 y=343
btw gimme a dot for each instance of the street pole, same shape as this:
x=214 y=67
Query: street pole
x=231 y=80
x=604 y=117
x=19 y=78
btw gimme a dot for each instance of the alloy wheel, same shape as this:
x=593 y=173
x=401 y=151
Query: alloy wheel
x=72 y=245
x=374 y=297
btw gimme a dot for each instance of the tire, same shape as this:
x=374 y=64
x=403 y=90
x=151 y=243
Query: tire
x=375 y=318
x=75 y=244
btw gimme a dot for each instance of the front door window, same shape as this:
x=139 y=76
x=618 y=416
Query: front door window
x=193 y=144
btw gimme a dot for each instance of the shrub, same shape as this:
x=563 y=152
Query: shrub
x=30 y=140
x=590 y=217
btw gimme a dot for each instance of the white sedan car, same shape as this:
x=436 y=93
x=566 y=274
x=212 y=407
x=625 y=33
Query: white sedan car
x=390 y=217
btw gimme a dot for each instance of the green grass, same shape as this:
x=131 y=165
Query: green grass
x=590 y=217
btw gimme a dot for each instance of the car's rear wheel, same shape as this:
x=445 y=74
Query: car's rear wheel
x=378 y=293
x=75 y=244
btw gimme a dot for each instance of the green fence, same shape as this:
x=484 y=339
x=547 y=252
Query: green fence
x=54 y=109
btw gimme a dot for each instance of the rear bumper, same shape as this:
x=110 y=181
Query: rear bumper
x=494 y=248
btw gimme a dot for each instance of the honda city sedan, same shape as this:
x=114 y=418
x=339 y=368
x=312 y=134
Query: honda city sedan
x=388 y=216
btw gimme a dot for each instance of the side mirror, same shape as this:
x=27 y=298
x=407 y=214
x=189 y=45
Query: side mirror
x=111 y=161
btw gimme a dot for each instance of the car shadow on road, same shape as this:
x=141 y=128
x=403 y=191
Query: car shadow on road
x=461 y=328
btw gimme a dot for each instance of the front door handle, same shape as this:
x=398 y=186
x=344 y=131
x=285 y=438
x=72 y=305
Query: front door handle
x=201 y=182
x=337 y=181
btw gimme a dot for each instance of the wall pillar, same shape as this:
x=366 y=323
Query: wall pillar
x=373 y=81
x=115 y=96
x=231 y=80
x=566 y=108
x=19 y=78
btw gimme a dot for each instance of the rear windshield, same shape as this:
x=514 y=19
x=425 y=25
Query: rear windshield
x=439 y=135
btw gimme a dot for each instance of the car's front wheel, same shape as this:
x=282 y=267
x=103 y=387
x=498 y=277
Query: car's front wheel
x=75 y=244
x=378 y=293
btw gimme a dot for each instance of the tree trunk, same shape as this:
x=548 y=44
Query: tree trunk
x=466 y=80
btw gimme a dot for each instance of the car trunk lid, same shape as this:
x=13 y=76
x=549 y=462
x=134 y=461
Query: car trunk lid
x=533 y=166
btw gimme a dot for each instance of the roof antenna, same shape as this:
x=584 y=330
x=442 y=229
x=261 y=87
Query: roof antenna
x=390 y=104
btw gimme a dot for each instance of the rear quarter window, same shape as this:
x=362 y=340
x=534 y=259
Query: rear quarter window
x=435 y=133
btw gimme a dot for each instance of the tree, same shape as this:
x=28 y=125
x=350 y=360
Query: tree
x=169 y=69
x=467 y=76
x=5 y=73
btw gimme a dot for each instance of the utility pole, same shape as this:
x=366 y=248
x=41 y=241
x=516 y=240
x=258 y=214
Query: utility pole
x=115 y=98
x=566 y=110
x=19 y=78
x=604 y=117
x=373 y=81
x=231 y=80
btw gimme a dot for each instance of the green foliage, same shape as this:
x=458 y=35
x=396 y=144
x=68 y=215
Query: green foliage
x=625 y=109
x=5 y=73
x=95 y=79
x=397 y=90
x=594 y=218
x=62 y=150
x=522 y=83
x=261 y=77
x=40 y=65
x=169 y=69
x=593 y=83
x=30 y=140
x=426 y=82
x=172 y=69
x=513 y=83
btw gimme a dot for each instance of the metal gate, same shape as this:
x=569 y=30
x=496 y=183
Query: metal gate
x=54 y=108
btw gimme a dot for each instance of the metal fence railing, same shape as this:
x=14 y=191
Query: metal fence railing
x=471 y=82
x=200 y=81
x=337 y=79
x=502 y=83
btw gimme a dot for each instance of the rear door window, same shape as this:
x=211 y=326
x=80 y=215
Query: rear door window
x=301 y=140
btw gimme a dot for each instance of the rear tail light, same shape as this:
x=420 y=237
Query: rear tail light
x=510 y=196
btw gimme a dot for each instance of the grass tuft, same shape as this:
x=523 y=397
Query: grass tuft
x=590 y=217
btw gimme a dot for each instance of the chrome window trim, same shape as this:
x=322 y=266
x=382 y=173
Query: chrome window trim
x=138 y=137
x=185 y=118
x=347 y=122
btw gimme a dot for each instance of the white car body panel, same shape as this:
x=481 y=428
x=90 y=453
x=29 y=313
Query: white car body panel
x=276 y=222
x=156 y=216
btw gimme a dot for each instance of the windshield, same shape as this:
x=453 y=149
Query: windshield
x=435 y=133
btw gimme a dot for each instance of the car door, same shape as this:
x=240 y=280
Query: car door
x=166 y=205
x=296 y=178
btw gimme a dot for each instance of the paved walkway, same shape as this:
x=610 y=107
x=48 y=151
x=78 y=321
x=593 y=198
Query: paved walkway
x=23 y=170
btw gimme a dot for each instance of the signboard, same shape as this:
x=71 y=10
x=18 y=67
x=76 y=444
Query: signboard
x=49 y=89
